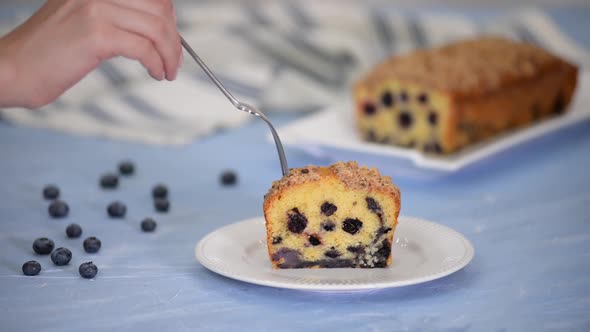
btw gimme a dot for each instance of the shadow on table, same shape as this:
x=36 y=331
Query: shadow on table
x=13 y=263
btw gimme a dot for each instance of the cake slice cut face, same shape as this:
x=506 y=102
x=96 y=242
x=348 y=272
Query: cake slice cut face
x=331 y=217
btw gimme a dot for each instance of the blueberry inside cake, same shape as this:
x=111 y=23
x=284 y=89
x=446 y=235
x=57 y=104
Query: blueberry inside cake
x=444 y=99
x=338 y=216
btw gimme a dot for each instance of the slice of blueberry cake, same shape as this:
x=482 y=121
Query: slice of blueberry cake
x=331 y=217
x=444 y=99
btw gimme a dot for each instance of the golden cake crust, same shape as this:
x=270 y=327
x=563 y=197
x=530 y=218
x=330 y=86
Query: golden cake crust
x=468 y=68
x=350 y=173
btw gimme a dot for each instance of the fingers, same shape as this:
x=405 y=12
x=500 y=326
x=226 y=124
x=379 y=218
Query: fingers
x=109 y=42
x=159 y=21
x=158 y=30
x=162 y=8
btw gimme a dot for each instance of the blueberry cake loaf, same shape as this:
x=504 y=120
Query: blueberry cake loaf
x=331 y=217
x=444 y=99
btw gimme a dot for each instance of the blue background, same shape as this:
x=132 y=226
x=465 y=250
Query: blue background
x=527 y=212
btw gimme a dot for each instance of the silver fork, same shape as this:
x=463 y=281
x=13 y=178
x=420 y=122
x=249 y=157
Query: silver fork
x=240 y=105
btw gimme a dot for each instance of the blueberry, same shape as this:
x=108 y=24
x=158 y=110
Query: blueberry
x=328 y=226
x=423 y=98
x=61 y=256
x=404 y=96
x=355 y=249
x=148 y=225
x=58 y=209
x=332 y=253
x=387 y=99
x=43 y=246
x=51 y=192
x=228 y=178
x=373 y=205
x=385 y=250
x=433 y=147
x=92 y=245
x=405 y=119
x=73 y=231
x=369 y=109
x=328 y=208
x=314 y=240
x=277 y=240
x=351 y=225
x=559 y=104
x=160 y=191
x=432 y=118
x=88 y=270
x=162 y=204
x=109 y=181
x=31 y=268
x=126 y=167
x=117 y=209
x=297 y=221
x=304 y=171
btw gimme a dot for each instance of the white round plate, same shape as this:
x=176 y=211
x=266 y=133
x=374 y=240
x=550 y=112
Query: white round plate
x=422 y=251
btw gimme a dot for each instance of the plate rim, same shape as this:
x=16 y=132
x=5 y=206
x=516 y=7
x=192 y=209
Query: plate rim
x=468 y=256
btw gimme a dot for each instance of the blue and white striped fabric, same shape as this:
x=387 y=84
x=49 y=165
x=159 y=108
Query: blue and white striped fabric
x=279 y=56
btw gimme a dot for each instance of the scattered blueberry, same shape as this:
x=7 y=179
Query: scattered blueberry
x=351 y=226
x=304 y=171
x=148 y=225
x=92 y=245
x=61 y=256
x=58 y=209
x=31 y=268
x=43 y=246
x=432 y=118
x=73 y=231
x=297 y=221
x=109 y=181
x=126 y=167
x=160 y=191
x=162 y=204
x=51 y=192
x=228 y=178
x=387 y=99
x=405 y=119
x=88 y=270
x=328 y=208
x=277 y=240
x=314 y=240
x=117 y=209
x=369 y=109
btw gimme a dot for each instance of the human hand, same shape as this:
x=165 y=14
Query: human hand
x=66 y=39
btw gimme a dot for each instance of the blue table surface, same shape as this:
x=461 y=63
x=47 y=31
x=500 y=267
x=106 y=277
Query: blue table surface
x=527 y=212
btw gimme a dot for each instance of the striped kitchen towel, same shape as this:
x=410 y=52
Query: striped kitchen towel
x=278 y=56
